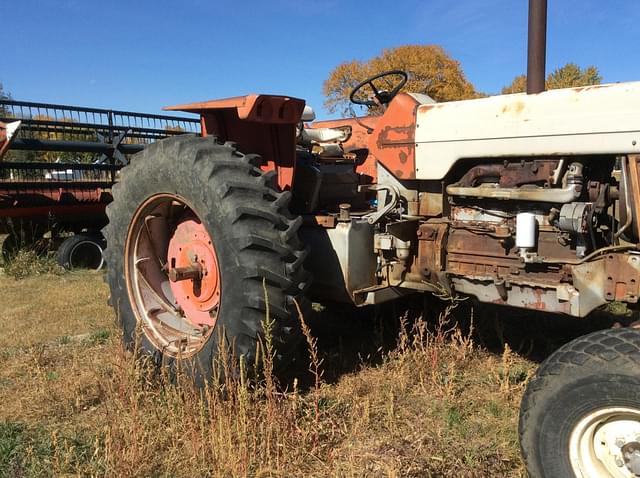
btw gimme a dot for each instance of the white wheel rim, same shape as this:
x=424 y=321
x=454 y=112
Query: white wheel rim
x=595 y=445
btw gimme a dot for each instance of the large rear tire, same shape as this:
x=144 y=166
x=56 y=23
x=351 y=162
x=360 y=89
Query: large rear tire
x=580 y=415
x=201 y=247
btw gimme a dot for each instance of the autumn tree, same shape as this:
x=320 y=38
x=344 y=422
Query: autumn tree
x=431 y=71
x=568 y=76
x=518 y=85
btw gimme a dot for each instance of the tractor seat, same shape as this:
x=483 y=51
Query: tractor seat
x=309 y=136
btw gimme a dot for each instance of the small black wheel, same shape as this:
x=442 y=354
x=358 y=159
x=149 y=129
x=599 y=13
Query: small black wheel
x=82 y=251
x=201 y=249
x=580 y=415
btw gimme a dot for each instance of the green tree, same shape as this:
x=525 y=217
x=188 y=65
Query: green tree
x=431 y=71
x=3 y=96
x=567 y=76
x=571 y=75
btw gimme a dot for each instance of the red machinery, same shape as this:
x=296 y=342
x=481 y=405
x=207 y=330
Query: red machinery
x=57 y=166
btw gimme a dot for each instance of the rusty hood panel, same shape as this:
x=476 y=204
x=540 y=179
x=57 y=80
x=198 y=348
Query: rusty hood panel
x=595 y=120
x=393 y=141
x=259 y=108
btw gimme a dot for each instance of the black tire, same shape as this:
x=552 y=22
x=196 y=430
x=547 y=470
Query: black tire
x=582 y=379
x=254 y=234
x=82 y=251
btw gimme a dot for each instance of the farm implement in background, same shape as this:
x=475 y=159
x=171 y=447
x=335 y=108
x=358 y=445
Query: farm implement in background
x=57 y=167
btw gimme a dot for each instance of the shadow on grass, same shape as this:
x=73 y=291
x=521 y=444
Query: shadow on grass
x=350 y=338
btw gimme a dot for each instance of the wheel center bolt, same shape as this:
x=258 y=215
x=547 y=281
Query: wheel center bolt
x=631 y=455
x=191 y=272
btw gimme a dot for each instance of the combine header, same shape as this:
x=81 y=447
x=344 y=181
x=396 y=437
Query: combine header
x=60 y=163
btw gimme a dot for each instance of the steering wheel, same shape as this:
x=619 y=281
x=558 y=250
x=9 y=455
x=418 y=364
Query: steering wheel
x=383 y=97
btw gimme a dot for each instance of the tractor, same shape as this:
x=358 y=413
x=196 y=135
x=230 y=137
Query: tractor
x=528 y=201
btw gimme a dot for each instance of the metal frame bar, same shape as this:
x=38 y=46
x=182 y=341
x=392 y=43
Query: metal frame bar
x=63 y=128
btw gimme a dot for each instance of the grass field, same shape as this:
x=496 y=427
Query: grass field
x=391 y=403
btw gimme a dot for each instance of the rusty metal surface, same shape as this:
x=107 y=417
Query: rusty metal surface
x=260 y=124
x=431 y=250
x=562 y=195
x=622 y=278
x=37 y=196
x=634 y=178
x=555 y=123
x=358 y=142
x=608 y=278
x=393 y=141
x=473 y=254
x=512 y=174
x=71 y=216
x=559 y=299
x=274 y=142
x=272 y=109
x=430 y=204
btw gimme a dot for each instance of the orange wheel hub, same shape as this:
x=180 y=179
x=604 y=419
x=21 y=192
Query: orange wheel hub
x=194 y=273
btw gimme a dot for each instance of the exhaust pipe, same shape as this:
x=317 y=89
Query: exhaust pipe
x=537 y=50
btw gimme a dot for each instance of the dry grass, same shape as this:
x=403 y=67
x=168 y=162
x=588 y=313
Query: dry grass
x=72 y=403
x=28 y=261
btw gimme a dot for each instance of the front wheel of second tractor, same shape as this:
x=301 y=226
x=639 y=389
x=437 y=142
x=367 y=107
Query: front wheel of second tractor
x=580 y=415
x=201 y=247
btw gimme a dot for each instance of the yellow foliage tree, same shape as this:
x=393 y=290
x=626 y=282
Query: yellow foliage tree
x=431 y=71
x=567 y=76
x=518 y=85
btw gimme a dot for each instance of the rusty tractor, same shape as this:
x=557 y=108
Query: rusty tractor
x=527 y=200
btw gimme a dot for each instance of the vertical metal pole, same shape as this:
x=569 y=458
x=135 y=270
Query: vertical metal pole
x=112 y=160
x=536 y=60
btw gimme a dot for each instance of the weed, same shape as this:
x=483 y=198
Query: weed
x=88 y=408
x=29 y=262
x=99 y=337
x=27 y=452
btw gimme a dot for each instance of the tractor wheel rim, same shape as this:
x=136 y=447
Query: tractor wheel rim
x=606 y=444
x=191 y=245
x=177 y=314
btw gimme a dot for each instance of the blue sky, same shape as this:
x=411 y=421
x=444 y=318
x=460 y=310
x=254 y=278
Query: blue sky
x=142 y=54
